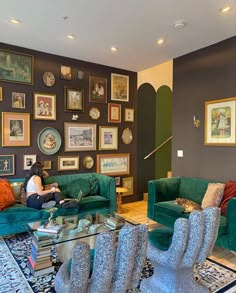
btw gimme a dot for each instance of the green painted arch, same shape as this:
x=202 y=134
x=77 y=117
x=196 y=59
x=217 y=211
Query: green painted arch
x=163 y=130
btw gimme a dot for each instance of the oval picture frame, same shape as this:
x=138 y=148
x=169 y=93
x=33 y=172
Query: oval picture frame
x=94 y=113
x=88 y=162
x=49 y=141
x=127 y=136
x=49 y=79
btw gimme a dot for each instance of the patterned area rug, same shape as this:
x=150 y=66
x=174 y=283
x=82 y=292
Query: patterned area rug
x=15 y=250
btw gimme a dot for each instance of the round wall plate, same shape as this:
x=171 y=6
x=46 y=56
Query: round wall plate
x=49 y=78
x=49 y=141
x=127 y=136
x=94 y=113
x=88 y=162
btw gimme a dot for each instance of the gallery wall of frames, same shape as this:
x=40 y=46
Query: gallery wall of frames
x=71 y=115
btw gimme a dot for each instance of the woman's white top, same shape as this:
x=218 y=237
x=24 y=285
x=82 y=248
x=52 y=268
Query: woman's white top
x=31 y=186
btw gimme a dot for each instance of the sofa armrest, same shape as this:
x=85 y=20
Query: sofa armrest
x=161 y=190
x=231 y=219
x=108 y=189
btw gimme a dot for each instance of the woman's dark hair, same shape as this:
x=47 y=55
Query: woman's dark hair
x=36 y=169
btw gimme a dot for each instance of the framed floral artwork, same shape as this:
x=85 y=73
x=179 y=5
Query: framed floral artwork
x=119 y=87
x=114 y=113
x=15 y=129
x=220 y=122
x=44 y=106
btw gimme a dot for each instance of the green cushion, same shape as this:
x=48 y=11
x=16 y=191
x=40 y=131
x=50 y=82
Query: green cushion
x=94 y=185
x=161 y=237
x=76 y=186
x=93 y=202
x=19 y=213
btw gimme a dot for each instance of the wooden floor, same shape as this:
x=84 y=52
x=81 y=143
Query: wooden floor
x=137 y=211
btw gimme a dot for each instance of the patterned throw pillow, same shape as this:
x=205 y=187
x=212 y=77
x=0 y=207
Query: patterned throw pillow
x=7 y=198
x=213 y=195
x=16 y=189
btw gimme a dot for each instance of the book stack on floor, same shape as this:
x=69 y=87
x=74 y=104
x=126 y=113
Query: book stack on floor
x=40 y=262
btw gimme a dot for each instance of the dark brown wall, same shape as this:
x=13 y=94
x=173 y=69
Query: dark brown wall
x=48 y=62
x=204 y=75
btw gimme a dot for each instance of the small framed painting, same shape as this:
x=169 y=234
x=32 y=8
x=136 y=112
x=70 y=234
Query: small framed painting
x=7 y=165
x=119 y=87
x=66 y=72
x=68 y=163
x=44 y=106
x=128 y=183
x=28 y=161
x=18 y=100
x=47 y=165
x=129 y=115
x=97 y=89
x=220 y=122
x=74 y=99
x=88 y=162
x=16 y=129
x=114 y=113
x=108 y=138
x=117 y=181
x=1 y=93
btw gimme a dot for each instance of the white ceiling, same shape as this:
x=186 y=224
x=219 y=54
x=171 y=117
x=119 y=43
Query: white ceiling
x=131 y=25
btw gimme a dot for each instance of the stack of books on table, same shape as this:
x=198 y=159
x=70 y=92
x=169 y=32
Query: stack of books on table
x=115 y=222
x=40 y=262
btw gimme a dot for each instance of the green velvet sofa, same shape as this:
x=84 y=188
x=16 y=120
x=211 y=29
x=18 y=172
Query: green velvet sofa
x=99 y=193
x=162 y=208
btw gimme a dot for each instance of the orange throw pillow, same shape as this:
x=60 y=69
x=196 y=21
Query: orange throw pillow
x=7 y=198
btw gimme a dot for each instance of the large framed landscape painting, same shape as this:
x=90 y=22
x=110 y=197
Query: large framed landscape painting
x=80 y=137
x=16 y=67
x=113 y=164
x=220 y=122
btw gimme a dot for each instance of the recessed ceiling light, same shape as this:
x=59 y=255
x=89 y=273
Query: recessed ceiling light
x=160 y=41
x=15 y=20
x=225 y=9
x=114 y=49
x=71 y=36
x=179 y=24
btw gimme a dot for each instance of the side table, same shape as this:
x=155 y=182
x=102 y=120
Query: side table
x=120 y=191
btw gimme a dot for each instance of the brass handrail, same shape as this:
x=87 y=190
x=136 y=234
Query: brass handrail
x=157 y=148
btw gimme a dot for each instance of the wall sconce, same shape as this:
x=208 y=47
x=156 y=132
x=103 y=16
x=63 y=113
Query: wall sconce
x=196 y=122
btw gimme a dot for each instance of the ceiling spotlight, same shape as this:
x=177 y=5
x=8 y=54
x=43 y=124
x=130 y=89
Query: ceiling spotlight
x=179 y=24
x=160 y=41
x=15 y=20
x=114 y=49
x=225 y=9
x=71 y=36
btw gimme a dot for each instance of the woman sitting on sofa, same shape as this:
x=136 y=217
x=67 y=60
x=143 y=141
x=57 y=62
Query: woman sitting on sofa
x=37 y=196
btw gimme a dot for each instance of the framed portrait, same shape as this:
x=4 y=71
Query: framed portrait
x=16 y=67
x=44 y=106
x=128 y=183
x=220 y=122
x=68 y=163
x=119 y=87
x=114 y=113
x=15 y=129
x=74 y=99
x=49 y=141
x=108 y=138
x=129 y=115
x=66 y=72
x=117 y=181
x=7 y=165
x=97 y=89
x=113 y=164
x=47 y=165
x=79 y=137
x=18 y=100
x=88 y=162
x=28 y=161
x=1 y=93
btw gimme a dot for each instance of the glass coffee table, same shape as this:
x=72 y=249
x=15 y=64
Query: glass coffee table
x=84 y=227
